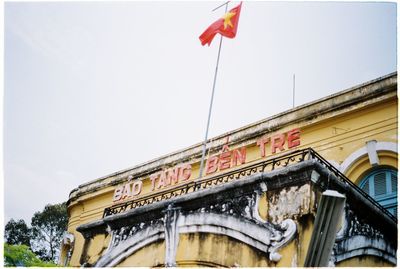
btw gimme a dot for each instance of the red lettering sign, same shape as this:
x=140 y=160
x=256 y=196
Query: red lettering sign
x=293 y=138
x=278 y=141
x=212 y=164
x=185 y=172
x=127 y=191
x=261 y=143
x=227 y=159
x=239 y=156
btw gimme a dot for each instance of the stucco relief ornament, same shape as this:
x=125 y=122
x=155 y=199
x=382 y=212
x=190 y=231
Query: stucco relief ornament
x=239 y=219
x=289 y=226
x=235 y=217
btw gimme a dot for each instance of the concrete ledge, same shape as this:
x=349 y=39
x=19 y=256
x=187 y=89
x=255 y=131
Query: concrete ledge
x=263 y=181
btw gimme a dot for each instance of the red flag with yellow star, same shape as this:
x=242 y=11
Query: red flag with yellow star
x=226 y=26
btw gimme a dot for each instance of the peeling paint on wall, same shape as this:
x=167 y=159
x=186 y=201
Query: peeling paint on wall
x=291 y=202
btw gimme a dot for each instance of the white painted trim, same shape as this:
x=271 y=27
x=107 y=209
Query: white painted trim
x=116 y=254
x=358 y=154
x=372 y=152
x=360 y=245
x=263 y=236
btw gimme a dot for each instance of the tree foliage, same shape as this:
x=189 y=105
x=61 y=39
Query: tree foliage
x=17 y=233
x=21 y=255
x=43 y=238
x=48 y=228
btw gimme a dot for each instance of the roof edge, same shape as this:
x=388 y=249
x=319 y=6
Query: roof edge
x=357 y=94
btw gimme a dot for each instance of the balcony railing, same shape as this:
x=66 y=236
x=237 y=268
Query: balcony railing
x=264 y=166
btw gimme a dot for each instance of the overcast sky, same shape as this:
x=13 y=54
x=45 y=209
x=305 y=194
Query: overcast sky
x=92 y=88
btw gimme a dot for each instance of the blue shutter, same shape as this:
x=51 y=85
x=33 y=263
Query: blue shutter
x=393 y=178
x=381 y=184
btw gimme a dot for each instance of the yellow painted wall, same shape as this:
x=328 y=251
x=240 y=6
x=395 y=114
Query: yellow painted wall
x=78 y=247
x=97 y=246
x=305 y=229
x=220 y=250
x=334 y=138
x=148 y=256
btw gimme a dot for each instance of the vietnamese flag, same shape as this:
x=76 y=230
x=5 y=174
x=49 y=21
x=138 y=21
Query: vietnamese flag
x=226 y=26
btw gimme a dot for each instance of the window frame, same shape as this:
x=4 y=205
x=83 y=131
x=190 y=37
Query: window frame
x=387 y=200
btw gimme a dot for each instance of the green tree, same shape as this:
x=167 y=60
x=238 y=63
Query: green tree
x=48 y=228
x=17 y=233
x=21 y=255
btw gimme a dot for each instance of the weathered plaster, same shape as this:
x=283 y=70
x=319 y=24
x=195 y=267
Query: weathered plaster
x=293 y=201
x=216 y=219
x=231 y=210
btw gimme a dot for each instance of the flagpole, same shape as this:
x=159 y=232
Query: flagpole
x=211 y=103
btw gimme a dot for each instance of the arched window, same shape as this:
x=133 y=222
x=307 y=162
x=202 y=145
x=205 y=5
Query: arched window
x=381 y=184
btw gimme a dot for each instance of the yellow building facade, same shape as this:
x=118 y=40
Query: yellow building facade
x=312 y=186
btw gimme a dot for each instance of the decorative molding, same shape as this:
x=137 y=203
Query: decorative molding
x=361 y=245
x=357 y=238
x=233 y=217
x=67 y=243
x=372 y=152
x=264 y=237
x=358 y=154
x=119 y=250
x=289 y=228
x=357 y=227
x=231 y=209
x=171 y=235
x=68 y=239
x=241 y=207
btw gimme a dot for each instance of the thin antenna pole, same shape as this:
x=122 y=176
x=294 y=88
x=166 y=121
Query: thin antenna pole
x=211 y=103
x=294 y=87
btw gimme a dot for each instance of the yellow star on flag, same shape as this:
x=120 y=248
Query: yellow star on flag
x=226 y=26
x=227 y=19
